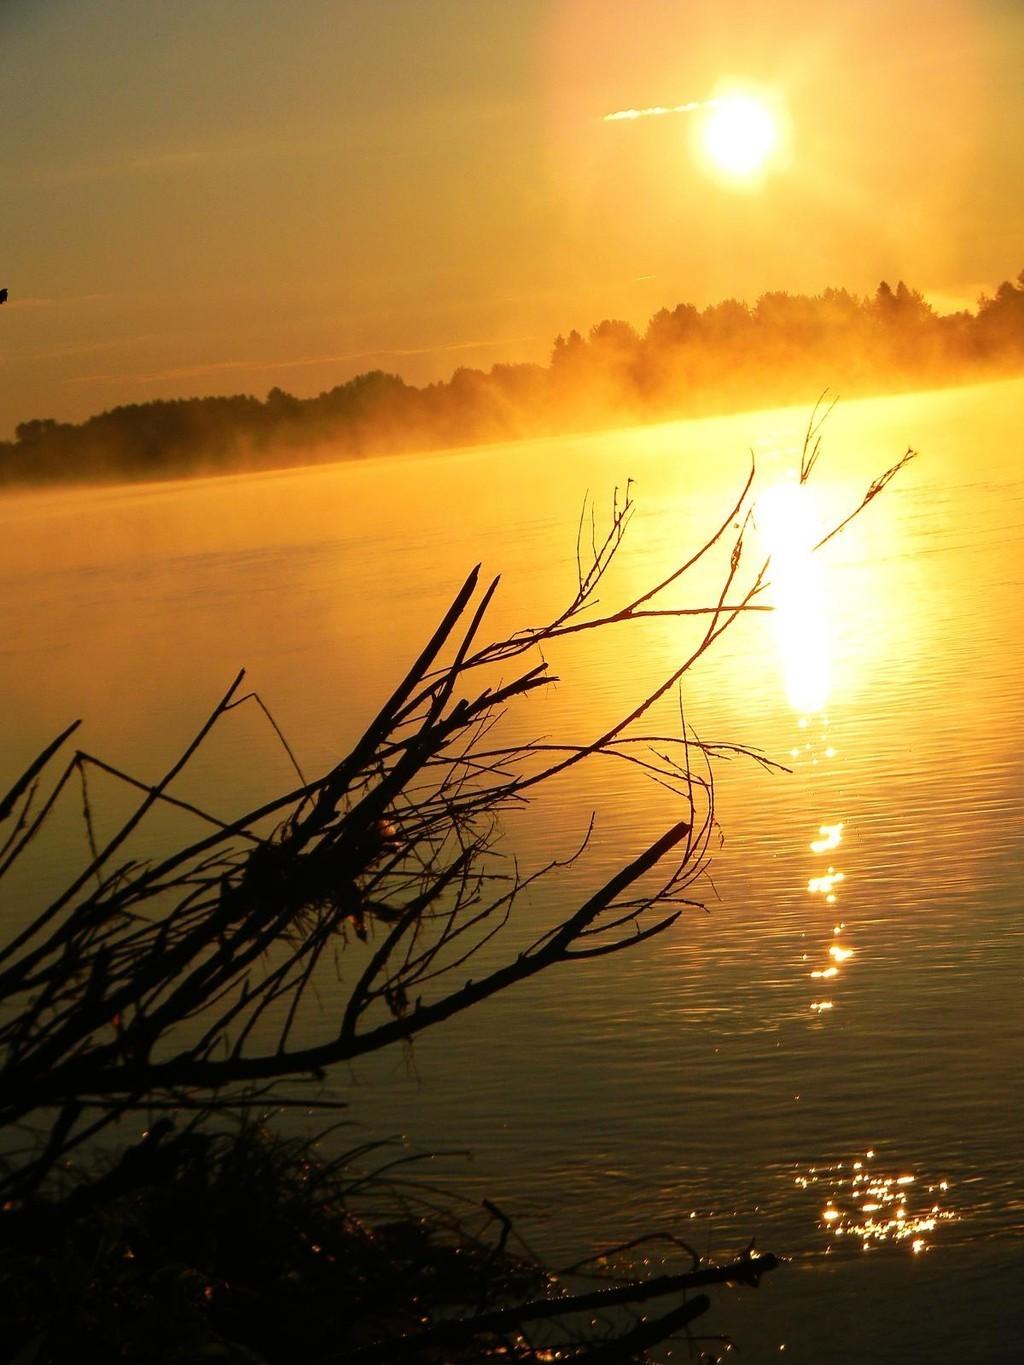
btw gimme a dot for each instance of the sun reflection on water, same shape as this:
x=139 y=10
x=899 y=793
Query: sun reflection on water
x=789 y=528
x=855 y=1200
x=877 y=1207
x=830 y=836
x=787 y=525
x=826 y=884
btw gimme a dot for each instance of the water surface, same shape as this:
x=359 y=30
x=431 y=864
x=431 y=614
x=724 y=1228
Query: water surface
x=842 y=1029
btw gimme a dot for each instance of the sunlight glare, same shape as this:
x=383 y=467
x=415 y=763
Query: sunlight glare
x=786 y=523
x=740 y=134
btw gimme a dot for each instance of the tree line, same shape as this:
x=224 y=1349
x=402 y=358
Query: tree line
x=785 y=348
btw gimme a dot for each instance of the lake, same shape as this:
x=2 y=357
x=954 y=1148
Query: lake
x=831 y=1057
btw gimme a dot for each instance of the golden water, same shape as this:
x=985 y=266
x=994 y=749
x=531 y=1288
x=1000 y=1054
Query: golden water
x=832 y=1057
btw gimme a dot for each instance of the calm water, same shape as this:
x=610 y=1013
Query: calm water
x=853 y=993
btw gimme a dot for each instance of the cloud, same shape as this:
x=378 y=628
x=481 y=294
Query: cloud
x=658 y=111
x=92 y=169
x=268 y=366
x=35 y=302
x=148 y=161
x=169 y=160
x=93 y=348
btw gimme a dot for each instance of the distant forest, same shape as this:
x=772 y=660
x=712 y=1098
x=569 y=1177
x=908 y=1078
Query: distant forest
x=786 y=348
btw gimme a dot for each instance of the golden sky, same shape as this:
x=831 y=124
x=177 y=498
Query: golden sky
x=219 y=196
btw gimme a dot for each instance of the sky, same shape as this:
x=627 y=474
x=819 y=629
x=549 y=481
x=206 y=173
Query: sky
x=223 y=196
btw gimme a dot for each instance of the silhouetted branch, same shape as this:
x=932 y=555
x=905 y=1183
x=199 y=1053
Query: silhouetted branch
x=747 y=1270
x=162 y=980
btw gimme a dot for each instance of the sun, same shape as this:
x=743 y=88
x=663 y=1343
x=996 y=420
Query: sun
x=740 y=134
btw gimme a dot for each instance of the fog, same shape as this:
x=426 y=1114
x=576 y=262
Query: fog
x=785 y=348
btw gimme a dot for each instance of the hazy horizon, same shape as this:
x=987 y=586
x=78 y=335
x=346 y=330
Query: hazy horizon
x=438 y=364
x=787 y=349
x=225 y=199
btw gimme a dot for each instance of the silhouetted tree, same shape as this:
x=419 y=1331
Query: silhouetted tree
x=788 y=347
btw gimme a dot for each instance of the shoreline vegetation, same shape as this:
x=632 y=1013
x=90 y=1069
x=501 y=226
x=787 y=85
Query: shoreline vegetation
x=177 y=999
x=785 y=349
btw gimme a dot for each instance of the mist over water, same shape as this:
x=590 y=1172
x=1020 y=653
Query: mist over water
x=686 y=363
x=852 y=996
